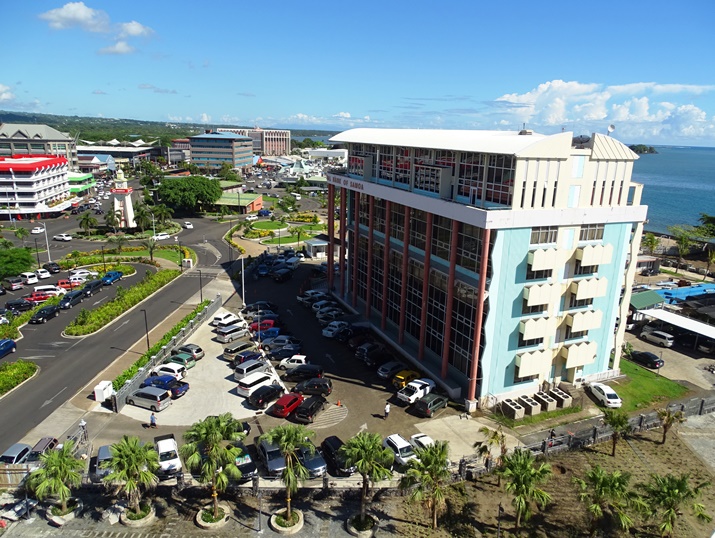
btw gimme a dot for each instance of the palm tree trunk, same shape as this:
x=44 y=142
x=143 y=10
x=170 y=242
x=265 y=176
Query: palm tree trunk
x=434 y=515
x=288 y=510
x=518 y=520
x=64 y=505
x=665 y=433
x=615 y=441
x=363 y=501
x=214 y=494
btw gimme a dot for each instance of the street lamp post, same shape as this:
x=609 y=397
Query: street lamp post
x=146 y=328
x=47 y=241
x=201 y=286
x=37 y=253
x=153 y=222
x=181 y=258
x=103 y=260
x=243 y=284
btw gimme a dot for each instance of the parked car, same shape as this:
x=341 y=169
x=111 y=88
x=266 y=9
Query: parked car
x=661 y=338
x=151 y=398
x=13 y=283
x=7 y=346
x=282 y=341
x=280 y=354
x=177 y=371
x=420 y=441
x=230 y=351
x=245 y=463
x=303 y=371
x=187 y=225
x=334 y=327
x=184 y=359
x=286 y=404
x=307 y=411
x=160 y=236
x=262 y=326
x=266 y=334
x=17 y=306
x=414 y=390
x=84 y=273
x=62 y=237
x=191 y=349
x=400 y=448
x=92 y=287
x=45 y=313
x=334 y=456
x=320 y=385
x=292 y=361
x=259 y=305
x=52 y=291
x=647 y=359
x=16 y=454
x=28 y=278
x=604 y=395
x=52 y=267
x=251 y=218
x=312 y=295
x=71 y=299
x=271 y=458
x=43 y=274
x=37 y=297
x=37 y=230
x=225 y=319
x=67 y=284
x=402 y=378
x=260 y=398
x=167 y=382
x=111 y=277
x=428 y=405
x=313 y=460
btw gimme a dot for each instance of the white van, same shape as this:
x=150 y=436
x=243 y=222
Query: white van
x=658 y=337
x=51 y=290
x=292 y=263
x=296 y=196
x=226 y=335
x=250 y=367
x=251 y=382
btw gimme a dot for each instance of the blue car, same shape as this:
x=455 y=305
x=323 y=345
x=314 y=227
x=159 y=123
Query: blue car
x=7 y=346
x=111 y=277
x=263 y=270
x=266 y=334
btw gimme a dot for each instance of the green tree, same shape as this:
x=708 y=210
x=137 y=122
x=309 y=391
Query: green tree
x=228 y=173
x=21 y=233
x=666 y=495
x=189 y=193
x=608 y=494
x=522 y=481
x=296 y=231
x=428 y=477
x=150 y=245
x=290 y=439
x=617 y=420
x=668 y=419
x=113 y=219
x=14 y=261
x=162 y=213
x=650 y=242
x=132 y=467
x=493 y=439
x=87 y=222
x=683 y=241
x=711 y=261
x=365 y=452
x=142 y=216
x=118 y=242
x=59 y=472
x=6 y=244
x=707 y=225
x=207 y=450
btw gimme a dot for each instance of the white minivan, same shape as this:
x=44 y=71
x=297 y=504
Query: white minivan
x=292 y=263
x=658 y=337
x=249 y=384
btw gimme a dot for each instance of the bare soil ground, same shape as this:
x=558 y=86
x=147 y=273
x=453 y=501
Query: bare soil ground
x=473 y=506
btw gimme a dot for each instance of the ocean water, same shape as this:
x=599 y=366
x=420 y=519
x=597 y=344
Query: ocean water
x=678 y=185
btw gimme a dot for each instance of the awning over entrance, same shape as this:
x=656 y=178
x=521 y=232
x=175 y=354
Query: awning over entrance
x=646 y=299
x=679 y=321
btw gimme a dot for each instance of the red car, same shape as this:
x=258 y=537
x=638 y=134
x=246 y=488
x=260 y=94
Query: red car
x=67 y=285
x=286 y=404
x=37 y=297
x=265 y=324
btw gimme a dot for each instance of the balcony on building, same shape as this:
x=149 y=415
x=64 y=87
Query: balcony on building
x=579 y=354
x=589 y=288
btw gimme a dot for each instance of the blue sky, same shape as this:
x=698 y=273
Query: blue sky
x=577 y=66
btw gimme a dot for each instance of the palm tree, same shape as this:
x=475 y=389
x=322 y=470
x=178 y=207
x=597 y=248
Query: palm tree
x=711 y=261
x=296 y=230
x=6 y=244
x=150 y=245
x=290 y=439
x=650 y=242
x=21 y=233
x=206 y=450
x=113 y=220
x=373 y=461
x=493 y=438
x=617 y=420
x=60 y=471
x=683 y=239
x=118 y=241
x=87 y=222
x=608 y=493
x=668 y=419
x=523 y=480
x=667 y=494
x=132 y=467
x=429 y=475
x=142 y=216
x=162 y=213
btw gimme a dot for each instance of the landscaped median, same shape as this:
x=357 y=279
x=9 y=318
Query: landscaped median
x=13 y=374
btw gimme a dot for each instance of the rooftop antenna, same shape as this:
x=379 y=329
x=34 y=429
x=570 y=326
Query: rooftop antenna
x=611 y=128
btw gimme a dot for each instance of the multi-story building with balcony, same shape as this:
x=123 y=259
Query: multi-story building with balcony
x=211 y=150
x=266 y=142
x=32 y=139
x=492 y=260
x=33 y=185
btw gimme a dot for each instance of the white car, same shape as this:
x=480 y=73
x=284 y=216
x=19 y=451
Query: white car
x=421 y=440
x=605 y=395
x=175 y=370
x=334 y=327
x=62 y=237
x=250 y=218
x=91 y=201
x=42 y=274
x=290 y=362
x=105 y=197
x=188 y=226
x=160 y=236
x=37 y=230
x=225 y=319
x=4 y=321
x=84 y=273
x=400 y=447
x=28 y=278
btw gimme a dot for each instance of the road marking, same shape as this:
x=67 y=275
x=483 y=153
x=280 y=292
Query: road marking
x=289 y=311
x=363 y=428
x=120 y=326
x=329 y=357
x=37 y=357
x=102 y=299
x=48 y=402
x=330 y=417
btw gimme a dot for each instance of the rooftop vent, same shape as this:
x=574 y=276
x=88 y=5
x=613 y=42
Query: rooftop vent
x=580 y=140
x=526 y=132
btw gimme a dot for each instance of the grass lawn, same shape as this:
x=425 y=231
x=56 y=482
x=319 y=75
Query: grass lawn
x=269 y=225
x=171 y=255
x=643 y=388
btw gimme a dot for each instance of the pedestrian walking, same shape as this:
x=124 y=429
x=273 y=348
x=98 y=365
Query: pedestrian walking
x=152 y=421
x=387 y=410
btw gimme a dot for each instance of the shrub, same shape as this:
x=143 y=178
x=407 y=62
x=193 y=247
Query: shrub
x=14 y=373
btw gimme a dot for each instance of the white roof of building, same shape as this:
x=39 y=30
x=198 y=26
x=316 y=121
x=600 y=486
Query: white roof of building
x=557 y=146
x=681 y=321
x=31 y=131
x=116 y=149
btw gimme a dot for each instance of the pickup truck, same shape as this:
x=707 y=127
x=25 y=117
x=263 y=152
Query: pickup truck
x=167 y=382
x=415 y=390
x=169 y=461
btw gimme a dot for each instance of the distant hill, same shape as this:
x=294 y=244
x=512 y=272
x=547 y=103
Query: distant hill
x=642 y=149
x=88 y=128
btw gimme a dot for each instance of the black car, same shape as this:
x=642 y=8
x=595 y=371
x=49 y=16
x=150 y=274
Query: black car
x=245 y=463
x=647 y=359
x=282 y=275
x=19 y=305
x=334 y=457
x=45 y=313
x=303 y=371
x=428 y=404
x=263 y=396
x=319 y=385
x=309 y=409
x=52 y=267
x=282 y=353
x=259 y=305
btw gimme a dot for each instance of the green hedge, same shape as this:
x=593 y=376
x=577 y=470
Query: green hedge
x=229 y=238
x=88 y=322
x=14 y=373
x=130 y=372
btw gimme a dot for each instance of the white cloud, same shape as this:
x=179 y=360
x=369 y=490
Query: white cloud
x=76 y=14
x=342 y=115
x=134 y=29
x=205 y=118
x=120 y=47
x=99 y=92
x=155 y=89
x=5 y=93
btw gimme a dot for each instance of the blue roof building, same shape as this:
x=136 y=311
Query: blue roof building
x=212 y=149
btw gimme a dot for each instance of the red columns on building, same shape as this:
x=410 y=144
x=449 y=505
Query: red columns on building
x=386 y=264
x=425 y=287
x=403 y=293
x=356 y=237
x=483 y=267
x=450 y=297
x=343 y=222
x=331 y=234
x=371 y=228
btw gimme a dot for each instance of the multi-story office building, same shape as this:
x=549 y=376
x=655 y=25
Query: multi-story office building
x=265 y=141
x=212 y=149
x=32 y=185
x=31 y=139
x=493 y=260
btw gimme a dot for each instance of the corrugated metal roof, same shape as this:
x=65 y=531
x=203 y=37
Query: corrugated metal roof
x=31 y=131
x=646 y=299
x=606 y=148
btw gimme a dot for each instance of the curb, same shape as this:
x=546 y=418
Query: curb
x=21 y=384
